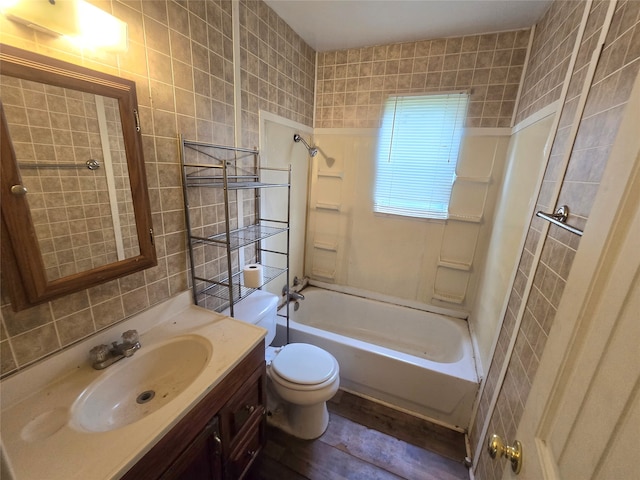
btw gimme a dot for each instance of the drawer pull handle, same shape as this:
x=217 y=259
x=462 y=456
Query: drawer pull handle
x=250 y=409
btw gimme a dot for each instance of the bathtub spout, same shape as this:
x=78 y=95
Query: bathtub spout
x=296 y=296
x=291 y=295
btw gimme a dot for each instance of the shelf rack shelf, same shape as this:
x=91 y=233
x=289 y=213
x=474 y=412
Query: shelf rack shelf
x=230 y=170
x=220 y=289
x=241 y=237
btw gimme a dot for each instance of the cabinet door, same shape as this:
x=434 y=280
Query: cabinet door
x=246 y=450
x=202 y=459
x=243 y=408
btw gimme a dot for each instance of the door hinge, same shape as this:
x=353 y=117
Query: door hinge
x=151 y=235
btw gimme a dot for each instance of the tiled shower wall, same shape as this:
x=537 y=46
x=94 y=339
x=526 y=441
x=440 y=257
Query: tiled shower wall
x=353 y=84
x=181 y=58
x=616 y=71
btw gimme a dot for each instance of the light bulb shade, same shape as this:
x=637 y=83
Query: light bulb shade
x=83 y=24
x=98 y=29
x=56 y=18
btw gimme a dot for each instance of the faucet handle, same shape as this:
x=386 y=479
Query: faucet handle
x=130 y=337
x=99 y=353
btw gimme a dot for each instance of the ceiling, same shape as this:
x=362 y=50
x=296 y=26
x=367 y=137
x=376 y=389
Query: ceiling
x=340 y=24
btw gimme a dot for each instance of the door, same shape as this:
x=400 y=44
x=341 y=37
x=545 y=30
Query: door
x=582 y=417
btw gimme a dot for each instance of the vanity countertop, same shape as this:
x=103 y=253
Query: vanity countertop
x=40 y=440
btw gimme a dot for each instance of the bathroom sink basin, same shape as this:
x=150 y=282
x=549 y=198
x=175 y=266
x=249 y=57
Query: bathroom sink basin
x=139 y=385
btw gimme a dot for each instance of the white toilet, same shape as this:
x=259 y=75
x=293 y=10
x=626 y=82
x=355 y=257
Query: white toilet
x=300 y=377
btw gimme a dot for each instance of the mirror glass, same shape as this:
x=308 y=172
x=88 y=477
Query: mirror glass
x=70 y=152
x=74 y=197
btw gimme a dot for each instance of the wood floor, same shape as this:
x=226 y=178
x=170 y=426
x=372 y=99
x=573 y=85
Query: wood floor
x=365 y=441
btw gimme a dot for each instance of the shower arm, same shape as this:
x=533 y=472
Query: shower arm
x=313 y=151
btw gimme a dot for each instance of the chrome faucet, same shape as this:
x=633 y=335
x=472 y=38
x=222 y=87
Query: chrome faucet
x=102 y=355
x=296 y=296
x=293 y=294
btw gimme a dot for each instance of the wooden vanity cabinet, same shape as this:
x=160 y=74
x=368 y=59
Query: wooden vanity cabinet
x=220 y=437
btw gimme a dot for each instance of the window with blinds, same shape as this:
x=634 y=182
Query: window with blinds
x=418 y=147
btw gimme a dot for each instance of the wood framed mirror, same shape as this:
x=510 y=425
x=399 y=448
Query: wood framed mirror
x=75 y=204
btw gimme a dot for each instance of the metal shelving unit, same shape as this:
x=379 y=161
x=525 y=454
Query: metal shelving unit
x=230 y=170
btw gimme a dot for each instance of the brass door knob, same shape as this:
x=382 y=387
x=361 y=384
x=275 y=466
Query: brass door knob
x=497 y=447
x=18 y=190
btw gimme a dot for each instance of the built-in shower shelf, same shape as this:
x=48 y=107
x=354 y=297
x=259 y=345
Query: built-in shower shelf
x=324 y=274
x=463 y=266
x=326 y=173
x=459 y=217
x=334 y=207
x=473 y=179
x=449 y=297
x=331 y=247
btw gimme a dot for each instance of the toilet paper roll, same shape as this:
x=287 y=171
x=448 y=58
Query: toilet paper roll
x=252 y=275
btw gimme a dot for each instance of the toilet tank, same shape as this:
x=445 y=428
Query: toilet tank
x=259 y=308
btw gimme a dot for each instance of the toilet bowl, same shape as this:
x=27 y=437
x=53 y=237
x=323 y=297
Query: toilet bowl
x=304 y=377
x=300 y=377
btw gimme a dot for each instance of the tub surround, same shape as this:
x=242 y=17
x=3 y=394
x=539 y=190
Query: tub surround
x=433 y=262
x=38 y=438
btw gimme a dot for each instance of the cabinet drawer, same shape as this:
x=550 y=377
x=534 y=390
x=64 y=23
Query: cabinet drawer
x=246 y=450
x=243 y=408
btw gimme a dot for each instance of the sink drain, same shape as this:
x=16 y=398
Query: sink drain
x=145 y=396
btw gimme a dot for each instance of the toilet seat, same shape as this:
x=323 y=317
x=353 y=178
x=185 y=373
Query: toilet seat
x=301 y=366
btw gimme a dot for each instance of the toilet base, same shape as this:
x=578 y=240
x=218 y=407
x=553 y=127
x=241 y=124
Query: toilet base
x=304 y=422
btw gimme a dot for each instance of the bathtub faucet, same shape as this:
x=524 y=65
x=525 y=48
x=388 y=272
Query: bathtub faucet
x=293 y=294
x=296 y=296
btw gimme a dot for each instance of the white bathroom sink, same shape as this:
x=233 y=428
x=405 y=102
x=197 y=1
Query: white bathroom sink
x=139 y=385
x=63 y=420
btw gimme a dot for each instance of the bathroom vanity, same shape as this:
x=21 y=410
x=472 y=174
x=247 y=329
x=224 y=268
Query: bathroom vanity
x=220 y=437
x=189 y=403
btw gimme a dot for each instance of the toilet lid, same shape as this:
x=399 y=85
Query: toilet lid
x=304 y=364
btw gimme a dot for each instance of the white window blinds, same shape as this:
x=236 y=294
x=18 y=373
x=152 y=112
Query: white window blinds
x=418 y=147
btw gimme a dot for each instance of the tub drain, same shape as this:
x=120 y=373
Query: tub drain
x=145 y=396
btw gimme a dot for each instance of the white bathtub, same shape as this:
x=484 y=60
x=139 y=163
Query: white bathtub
x=418 y=361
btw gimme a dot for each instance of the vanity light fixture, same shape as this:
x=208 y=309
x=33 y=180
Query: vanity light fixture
x=83 y=24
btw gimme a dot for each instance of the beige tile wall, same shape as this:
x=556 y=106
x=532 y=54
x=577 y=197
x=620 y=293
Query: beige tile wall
x=353 y=84
x=549 y=58
x=616 y=71
x=548 y=35
x=181 y=58
x=277 y=70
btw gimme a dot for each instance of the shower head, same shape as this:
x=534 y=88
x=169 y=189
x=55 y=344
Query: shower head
x=313 y=151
